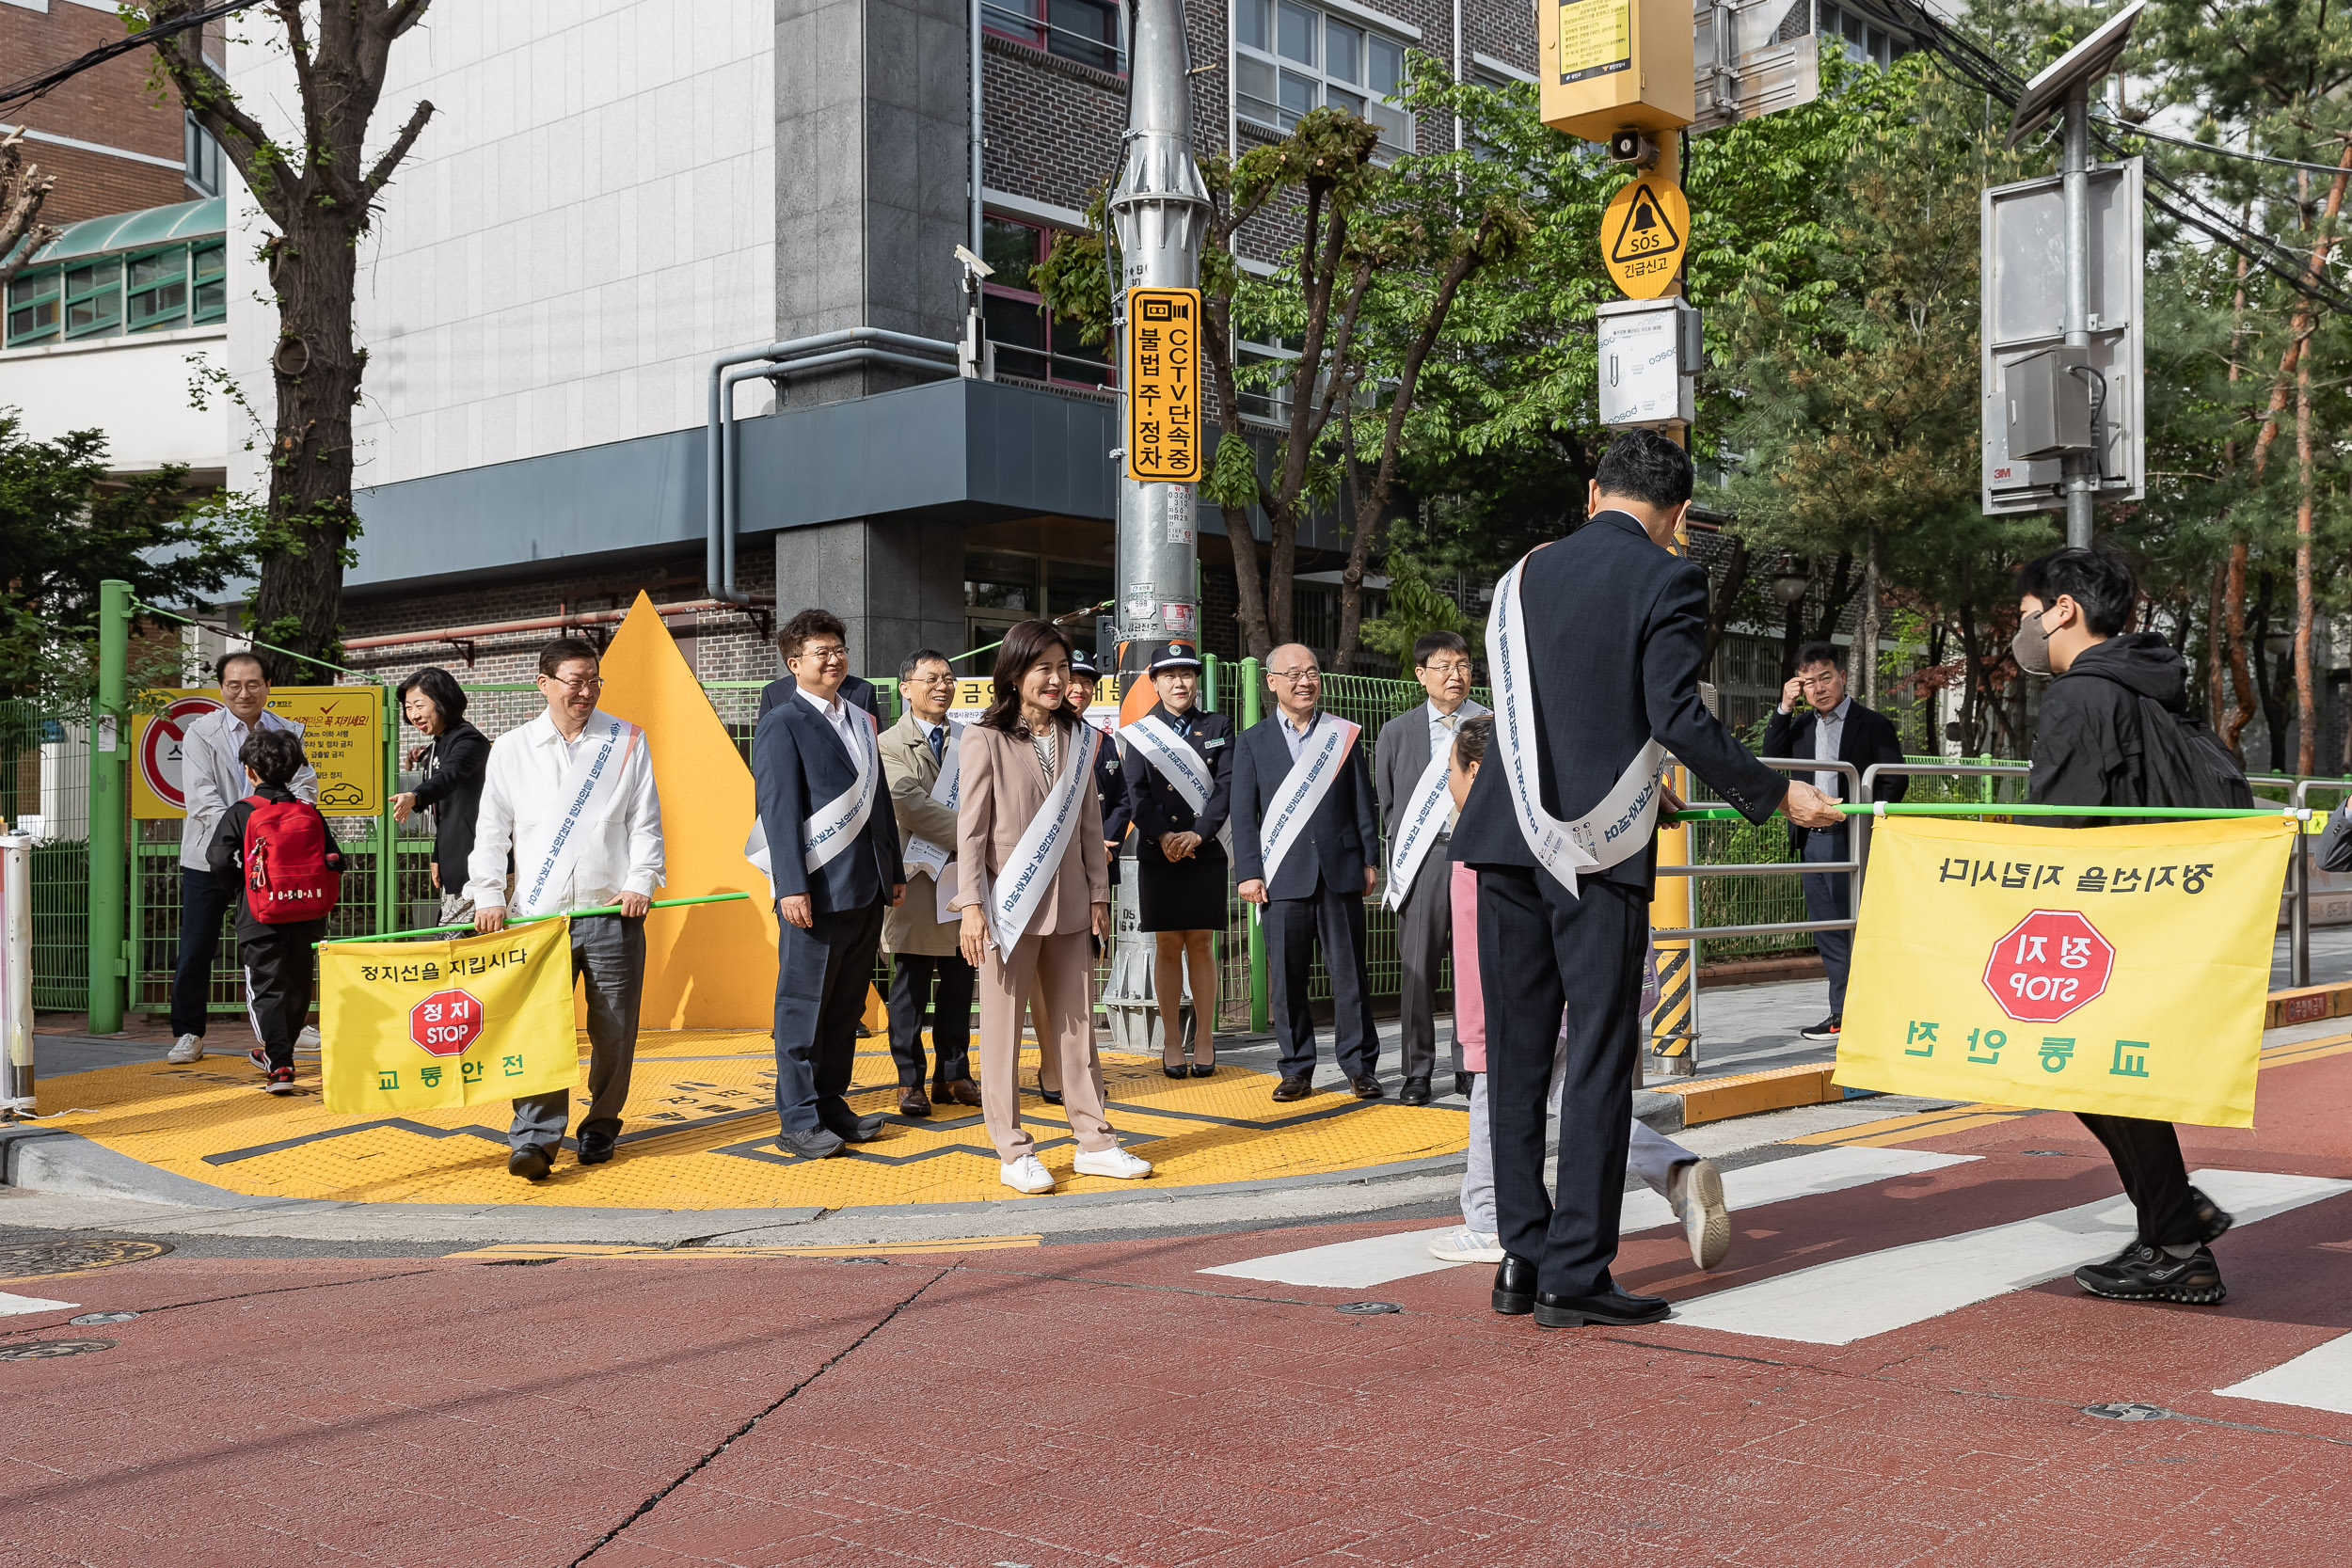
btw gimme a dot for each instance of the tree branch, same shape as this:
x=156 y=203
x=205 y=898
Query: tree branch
x=382 y=172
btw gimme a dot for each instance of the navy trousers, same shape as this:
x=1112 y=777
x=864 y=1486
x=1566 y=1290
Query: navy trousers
x=1293 y=927
x=1534 y=935
x=204 y=901
x=1829 y=896
x=939 y=984
x=821 y=976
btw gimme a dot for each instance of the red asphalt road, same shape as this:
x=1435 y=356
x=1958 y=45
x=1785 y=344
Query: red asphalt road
x=1106 y=1403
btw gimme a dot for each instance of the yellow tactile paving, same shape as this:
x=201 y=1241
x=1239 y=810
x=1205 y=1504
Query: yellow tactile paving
x=531 y=1252
x=700 y=1131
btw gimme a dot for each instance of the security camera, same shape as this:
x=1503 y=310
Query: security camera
x=979 y=267
x=1630 y=146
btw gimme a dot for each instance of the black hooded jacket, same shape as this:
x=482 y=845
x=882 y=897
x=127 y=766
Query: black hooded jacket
x=2086 y=743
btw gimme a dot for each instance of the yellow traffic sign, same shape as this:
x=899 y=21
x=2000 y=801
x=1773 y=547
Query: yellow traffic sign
x=342 y=738
x=1163 y=369
x=1643 y=235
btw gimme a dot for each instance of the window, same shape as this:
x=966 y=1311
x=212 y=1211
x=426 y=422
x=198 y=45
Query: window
x=997 y=580
x=1864 y=39
x=1069 y=586
x=159 y=290
x=33 y=308
x=1290 y=57
x=1088 y=31
x=1269 y=401
x=1030 y=342
x=93 y=297
x=201 y=156
x=141 y=291
x=208 y=266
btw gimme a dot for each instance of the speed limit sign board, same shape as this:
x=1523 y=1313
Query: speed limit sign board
x=155 y=782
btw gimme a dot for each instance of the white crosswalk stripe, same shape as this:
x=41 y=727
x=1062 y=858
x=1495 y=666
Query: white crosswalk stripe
x=2319 y=1379
x=1377 y=1260
x=1836 y=1303
x=17 y=1306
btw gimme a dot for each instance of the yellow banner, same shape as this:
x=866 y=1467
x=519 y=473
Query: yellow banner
x=2112 y=970
x=343 y=735
x=427 y=1025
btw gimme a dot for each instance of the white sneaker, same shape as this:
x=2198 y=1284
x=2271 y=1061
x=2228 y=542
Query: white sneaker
x=1462 y=1245
x=1112 y=1162
x=1696 y=1192
x=306 y=1040
x=1026 y=1175
x=187 y=1047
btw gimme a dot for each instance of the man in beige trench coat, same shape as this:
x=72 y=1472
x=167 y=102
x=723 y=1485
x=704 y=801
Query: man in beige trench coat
x=929 y=977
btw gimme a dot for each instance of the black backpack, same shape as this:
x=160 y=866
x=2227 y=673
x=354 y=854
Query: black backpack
x=2182 y=762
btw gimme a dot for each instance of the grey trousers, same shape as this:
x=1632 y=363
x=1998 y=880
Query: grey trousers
x=1829 y=896
x=609 y=954
x=1424 y=934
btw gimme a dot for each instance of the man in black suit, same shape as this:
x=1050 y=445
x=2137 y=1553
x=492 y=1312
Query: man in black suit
x=1606 y=653
x=1303 y=801
x=1834 y=727
x=834 y=857
x=856 y=690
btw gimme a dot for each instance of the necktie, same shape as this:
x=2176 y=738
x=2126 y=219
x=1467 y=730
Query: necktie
x=939 y=743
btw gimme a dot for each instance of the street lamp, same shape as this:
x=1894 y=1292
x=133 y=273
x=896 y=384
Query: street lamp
x=1791 y=582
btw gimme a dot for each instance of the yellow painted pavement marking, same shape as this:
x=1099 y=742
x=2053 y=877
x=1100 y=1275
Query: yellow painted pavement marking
x=699 y=1133
x=535 y=1251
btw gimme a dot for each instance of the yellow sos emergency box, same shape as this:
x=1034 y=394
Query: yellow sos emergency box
x=1608 y=65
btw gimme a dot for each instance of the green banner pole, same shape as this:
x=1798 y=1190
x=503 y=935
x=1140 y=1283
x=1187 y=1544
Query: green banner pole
x=531 y=919
x=109 y=808
x=386 y=830
x=1725 y=814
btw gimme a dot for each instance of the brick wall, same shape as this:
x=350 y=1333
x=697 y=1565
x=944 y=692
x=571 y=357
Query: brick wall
x=109 y=105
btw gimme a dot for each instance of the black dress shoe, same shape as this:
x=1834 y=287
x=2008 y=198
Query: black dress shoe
x=1515 y=1286
x=1201 y=1069
x=1611 y=1308
x=529 y=1162
x=1294 y=1088
x=596 y=1147
x=1462 y=1084
x=1051 y=1096
x=1415 y=1092
x=815 y=1144
x=1366 y=1088
x=855 y=1130
x=1176 y=1070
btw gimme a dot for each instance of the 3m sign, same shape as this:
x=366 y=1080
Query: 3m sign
x=2048 y=964
x=1163 y=371
x=446 y=1022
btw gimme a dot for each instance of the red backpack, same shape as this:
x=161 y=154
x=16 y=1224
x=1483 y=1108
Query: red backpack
x=286 y=876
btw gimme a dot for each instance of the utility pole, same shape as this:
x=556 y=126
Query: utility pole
x=1160 y=210
x=2081 y=468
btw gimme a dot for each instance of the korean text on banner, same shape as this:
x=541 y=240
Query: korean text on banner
x=429 y=1025
x=343 y=739
x=2120 y=970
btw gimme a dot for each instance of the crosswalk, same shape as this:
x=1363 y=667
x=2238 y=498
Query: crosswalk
x=18 y=1306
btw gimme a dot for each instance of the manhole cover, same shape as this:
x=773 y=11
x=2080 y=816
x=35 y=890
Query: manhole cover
x=1368 y=1308
x=30 y=1260
x=91 y=1320
x=44 y=1350
x=2127 y=1412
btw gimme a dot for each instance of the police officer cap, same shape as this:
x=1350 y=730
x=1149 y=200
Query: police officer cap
x=1082 y=664
x=1174 y=655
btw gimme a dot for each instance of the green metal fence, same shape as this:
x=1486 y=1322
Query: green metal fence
x=44 y=774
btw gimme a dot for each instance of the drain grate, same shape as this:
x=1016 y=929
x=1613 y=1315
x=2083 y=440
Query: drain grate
x=94 y=1319
x=31 y=1260
x=49 y=1349
x=2127 y=1412
x=1367 y=1309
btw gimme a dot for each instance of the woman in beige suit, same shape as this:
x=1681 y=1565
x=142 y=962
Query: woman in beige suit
x=1022 y=746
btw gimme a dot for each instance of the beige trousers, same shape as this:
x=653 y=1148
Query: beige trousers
x=1058 y=970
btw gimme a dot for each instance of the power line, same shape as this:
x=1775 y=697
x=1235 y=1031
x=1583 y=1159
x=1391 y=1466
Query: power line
x=2126 y=129
x=32 y=87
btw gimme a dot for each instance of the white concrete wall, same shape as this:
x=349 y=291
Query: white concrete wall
x=587 y=220
x=134 y=389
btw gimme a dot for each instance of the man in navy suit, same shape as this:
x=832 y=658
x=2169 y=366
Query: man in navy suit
x=809 y=758
x=1614 y=626
x=856 y=690
x=1330 y=858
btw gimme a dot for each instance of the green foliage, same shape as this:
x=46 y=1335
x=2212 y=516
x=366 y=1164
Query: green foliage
x=65 y=527
x=1412 y=608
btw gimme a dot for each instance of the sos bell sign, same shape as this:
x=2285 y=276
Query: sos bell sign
x=2047 y=965
x=445 y=1023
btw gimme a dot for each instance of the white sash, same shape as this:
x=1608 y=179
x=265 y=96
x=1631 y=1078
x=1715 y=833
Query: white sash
x=586 y=792
x=1013 y=900
x=1174 y=760
x=832 y=827
x=922 y=854
x=1302 y=791
x=1617 y=828
x=1418 y=830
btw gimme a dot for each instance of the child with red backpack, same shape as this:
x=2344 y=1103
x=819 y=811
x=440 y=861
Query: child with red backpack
x=288 y=873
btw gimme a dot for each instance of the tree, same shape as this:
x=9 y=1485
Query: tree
x=319 y=192
x=23 y=186
x=66 y=526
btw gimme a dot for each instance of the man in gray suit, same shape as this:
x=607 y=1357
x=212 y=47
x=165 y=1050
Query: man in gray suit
x=1419 y=814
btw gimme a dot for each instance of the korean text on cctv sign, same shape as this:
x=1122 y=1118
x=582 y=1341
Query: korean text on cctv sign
x=1164 y=385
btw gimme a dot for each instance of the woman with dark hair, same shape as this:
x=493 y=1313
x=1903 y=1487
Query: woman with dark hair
x=455 y=755
x=1028 y=820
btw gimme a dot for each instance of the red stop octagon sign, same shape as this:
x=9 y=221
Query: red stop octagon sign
x=2048 y=964
x=446 y=1022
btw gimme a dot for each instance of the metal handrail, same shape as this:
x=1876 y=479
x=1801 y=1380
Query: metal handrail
x=1851 y=867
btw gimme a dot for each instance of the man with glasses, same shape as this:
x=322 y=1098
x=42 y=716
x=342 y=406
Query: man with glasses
x=1306 y=845
x=1832 y=728
x=832 y=846
x=569 y=821
x=213 y=780
x=927 y=974
x=1410 y=768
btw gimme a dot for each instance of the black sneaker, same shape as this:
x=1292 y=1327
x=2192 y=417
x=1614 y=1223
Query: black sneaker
x=1825 y=1030
x=2214 y=1219
x=260 y=1058
x=2143 y=1273
x=280 y=1081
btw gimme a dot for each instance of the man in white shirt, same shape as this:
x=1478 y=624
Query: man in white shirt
x=1402 y=759
x=212 y=780
x=537 y=776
